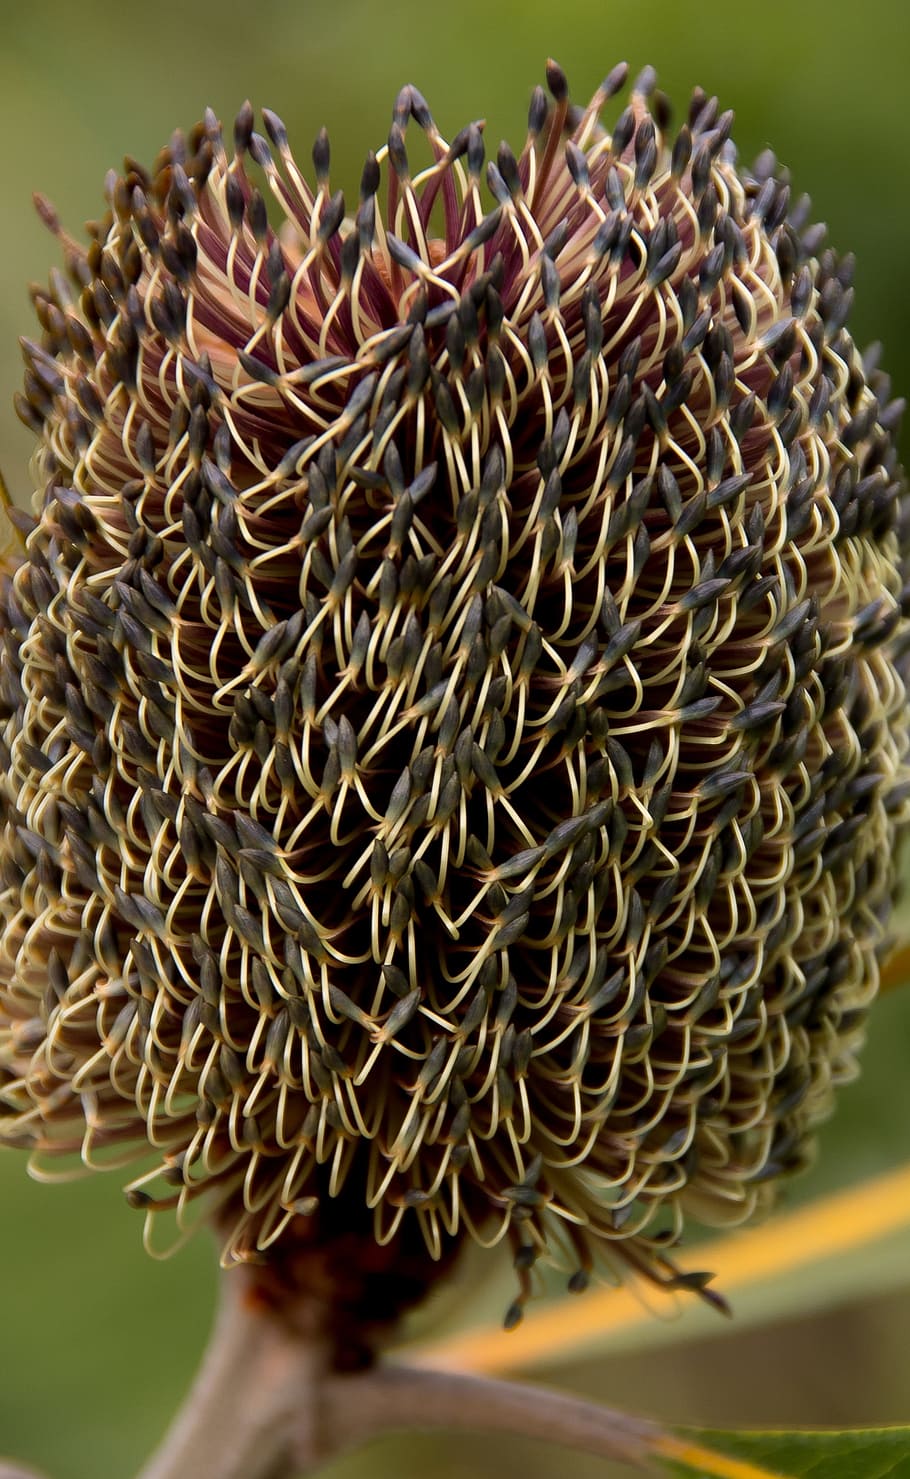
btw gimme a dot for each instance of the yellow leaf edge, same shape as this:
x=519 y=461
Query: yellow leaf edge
x=679 y=1450
x=860 y=1215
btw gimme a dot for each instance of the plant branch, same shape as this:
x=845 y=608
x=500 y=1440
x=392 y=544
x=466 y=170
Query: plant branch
x=251 y=1412
x=266 y=1404
x=412 y=1398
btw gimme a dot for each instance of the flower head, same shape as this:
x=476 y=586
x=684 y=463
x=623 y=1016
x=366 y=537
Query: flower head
x=454 y=718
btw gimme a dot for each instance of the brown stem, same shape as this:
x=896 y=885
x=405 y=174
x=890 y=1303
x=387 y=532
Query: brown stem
x=266 y=1404
x=391 y=1398
x=251 y=1412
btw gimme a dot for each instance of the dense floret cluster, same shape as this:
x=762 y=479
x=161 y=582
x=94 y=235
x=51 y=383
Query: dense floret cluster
x=454 y=722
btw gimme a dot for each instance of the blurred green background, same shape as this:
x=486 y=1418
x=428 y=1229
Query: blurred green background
x=98 y=1342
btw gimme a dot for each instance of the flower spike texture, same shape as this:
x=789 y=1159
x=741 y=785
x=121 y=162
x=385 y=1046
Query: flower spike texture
x=454 y=716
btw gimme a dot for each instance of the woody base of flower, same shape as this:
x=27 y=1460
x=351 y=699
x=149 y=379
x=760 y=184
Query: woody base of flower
x=332 y=1283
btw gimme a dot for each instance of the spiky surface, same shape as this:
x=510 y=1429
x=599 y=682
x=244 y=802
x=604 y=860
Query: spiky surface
x=454 y=712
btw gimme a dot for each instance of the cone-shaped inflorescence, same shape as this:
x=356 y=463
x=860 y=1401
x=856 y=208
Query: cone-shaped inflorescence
x=454 y=723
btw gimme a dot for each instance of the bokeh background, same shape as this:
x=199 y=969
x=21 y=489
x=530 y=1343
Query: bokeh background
x=97 y=1342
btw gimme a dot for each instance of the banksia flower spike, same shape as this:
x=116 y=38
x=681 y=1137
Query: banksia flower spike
x=454 y=719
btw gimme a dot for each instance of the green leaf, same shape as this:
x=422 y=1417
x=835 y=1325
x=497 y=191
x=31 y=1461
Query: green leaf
x=863 y=1453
